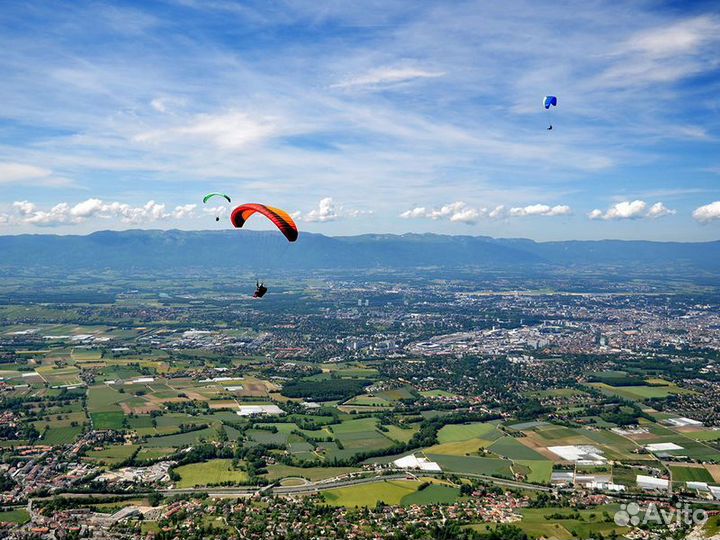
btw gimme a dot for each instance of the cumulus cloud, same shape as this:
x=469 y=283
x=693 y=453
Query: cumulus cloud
x=461 y=212
x=218 y=211
x=659 y=210
x=636 y=209
x=541 y=210
x=65 y=214
x=707 y=213
x=327 y=210
x=324 y=212
x=387 y=75
x=458 y=211
x=24 y=208
x=227 y=131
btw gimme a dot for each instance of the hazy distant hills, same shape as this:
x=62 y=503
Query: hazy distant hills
x=151 y=249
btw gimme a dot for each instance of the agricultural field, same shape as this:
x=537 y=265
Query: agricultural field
x=690 y=474
x=473 y=465
x=590 y=522
x=640 y=393
x=113 y=454
x=56 y=436
x=462 y=432
x=389 y=492
x=14 y=516
x=213 y=472
x=432 y=494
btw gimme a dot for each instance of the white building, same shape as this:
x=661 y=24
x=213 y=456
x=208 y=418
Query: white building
x=652 y=483
x=420 y=464
x=257 y=410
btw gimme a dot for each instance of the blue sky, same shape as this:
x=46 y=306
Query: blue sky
x=357 y=117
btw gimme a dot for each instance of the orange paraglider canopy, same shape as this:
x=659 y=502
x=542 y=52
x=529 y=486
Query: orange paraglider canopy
x=280 y=218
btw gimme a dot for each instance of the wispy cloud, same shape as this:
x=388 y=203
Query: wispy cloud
x=21 y=173
x=228 y=131
x=387 y=76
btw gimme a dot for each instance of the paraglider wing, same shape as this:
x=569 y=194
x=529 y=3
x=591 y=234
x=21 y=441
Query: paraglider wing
x=209 y=196
x=280 y=218
x=550 y=100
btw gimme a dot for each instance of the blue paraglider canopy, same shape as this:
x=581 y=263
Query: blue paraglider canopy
x=550 y=100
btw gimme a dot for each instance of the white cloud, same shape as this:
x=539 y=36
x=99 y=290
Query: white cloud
x=497 y=212
x=461 y=212
x=22 y=173
x=659 y=210
x=217 y=211
x=228 y=131
x=458 y=211
x=683 y=37
x=666 y=53
x=87 y=208
x=24 y=208
x=632 y=210
x=185 y=211
x=541 y=210
x=65 y=214
x=707 y=212
x=159 y=105
x=388 y=75
x=324 y=212
x=327 y=210
x=418 y=212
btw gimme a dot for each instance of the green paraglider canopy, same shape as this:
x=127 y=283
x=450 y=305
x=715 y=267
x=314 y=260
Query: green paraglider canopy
x=209 y=196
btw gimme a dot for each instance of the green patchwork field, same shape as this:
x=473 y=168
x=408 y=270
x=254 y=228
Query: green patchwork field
x=113 y=454
x=473 y=465
x=389 y=492
x=510 y=448
x=211 y=472
x=690 y=474
x=462 y=432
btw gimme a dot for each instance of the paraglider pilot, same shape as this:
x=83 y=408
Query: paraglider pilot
x=260 y=290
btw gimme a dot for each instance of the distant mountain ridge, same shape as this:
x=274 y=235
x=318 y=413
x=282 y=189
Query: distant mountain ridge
x=154 y=249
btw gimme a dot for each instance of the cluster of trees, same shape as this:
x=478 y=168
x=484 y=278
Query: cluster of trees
x=324 y=390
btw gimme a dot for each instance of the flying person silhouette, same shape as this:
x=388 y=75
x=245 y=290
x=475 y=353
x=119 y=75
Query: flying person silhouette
x=260 y=290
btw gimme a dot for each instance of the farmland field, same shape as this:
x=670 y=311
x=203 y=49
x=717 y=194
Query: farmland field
x=389 y=492
x=462 y=432
x=432 y=494
x=107 y=420
x=113 y=454
x=474 y=465
x=690 y=474
x=14 y=516
x=510 y=448
x=61 y=435
x=211 y=472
